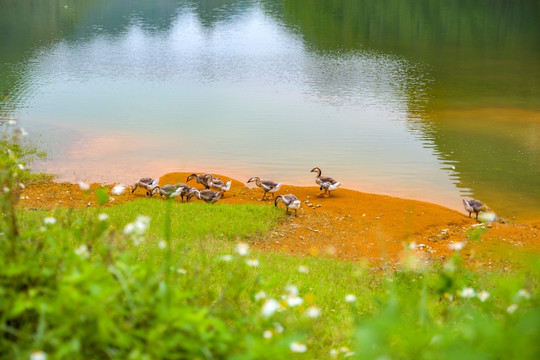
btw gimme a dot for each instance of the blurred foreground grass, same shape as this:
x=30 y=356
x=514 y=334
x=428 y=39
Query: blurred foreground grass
x=159 y=280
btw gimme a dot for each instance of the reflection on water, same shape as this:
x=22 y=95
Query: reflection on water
x=272 y=88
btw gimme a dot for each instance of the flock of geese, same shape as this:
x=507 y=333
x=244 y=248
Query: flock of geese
x=210 y=182
x=291 y=202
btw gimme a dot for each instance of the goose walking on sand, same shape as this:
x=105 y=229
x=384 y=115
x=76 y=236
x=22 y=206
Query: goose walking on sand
x=290 y=201
x=183 y=190
x=326 y=183
x=200 y=179
x=218 y=184
x=168 y=191
x=208 y=196
x=268 y=186
x=146 y=183
x=474 y=206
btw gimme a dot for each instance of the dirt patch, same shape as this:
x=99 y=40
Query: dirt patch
x=349 y=225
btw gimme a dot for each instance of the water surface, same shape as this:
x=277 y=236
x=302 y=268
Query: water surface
x=425 y=100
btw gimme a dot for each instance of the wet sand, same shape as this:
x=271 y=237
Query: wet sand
x=348 y=225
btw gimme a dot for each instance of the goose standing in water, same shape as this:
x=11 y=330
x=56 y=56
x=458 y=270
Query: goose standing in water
x=474 y=206
x=217 y=183
x=290 y=201
x=268 y=186
x=146 y=183
x=326 y=183
x=208 y=196
x=200 y=179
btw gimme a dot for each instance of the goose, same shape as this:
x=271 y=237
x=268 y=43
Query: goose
x=182 y=190
x=290 y=201
x=268 y=186
x=200 y=179
x=208 y=196
x=474 y=206
x=169 y=191
x=218 y=184
x=146 y=183
x=326 y=183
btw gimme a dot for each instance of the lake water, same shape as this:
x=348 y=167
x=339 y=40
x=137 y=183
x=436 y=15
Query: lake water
x=418 y=99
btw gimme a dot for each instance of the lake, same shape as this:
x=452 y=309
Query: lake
x=428 y=100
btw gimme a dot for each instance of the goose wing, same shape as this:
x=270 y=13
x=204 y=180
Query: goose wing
x=146 y=180
x=267 y=184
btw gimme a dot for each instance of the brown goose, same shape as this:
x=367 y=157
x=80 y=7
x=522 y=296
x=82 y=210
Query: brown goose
x=290 y=201
x=474 y=206
x=146 y=183
x=182 y=190
x=327 y=183
x=169 y=191
x=208 y=196
x=268 y=186
x=200 y=179
x=218 y=184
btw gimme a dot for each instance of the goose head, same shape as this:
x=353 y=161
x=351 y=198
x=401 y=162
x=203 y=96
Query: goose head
x=317 y=170
x=255 y=178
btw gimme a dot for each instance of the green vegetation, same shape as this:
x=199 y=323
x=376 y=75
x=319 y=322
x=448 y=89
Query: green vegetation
x=165 y=280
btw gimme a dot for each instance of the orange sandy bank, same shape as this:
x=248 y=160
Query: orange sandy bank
x=348 y=225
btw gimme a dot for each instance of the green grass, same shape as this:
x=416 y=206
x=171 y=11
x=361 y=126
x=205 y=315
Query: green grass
x=130 y=301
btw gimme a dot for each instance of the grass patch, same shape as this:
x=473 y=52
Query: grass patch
x=78 y=284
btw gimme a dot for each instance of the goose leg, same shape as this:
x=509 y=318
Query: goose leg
x=263 y=196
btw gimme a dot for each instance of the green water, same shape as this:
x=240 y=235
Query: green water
x=432 y=100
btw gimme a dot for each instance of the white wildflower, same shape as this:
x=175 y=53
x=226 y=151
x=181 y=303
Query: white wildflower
x=252 y=262
x=242 y=249
x=38 y=355
x=313 y=312
x=268 y=334
x=269 y=307
x=350 y=298
x=82 y=251
x=278 y=327
x=103 y=217
x=23 y=132
x=12 y=122
x=457 y=246
x=292 y=290
x=84 y=186
x=293 y=300
x=141 y=224
x=6 y=189
x=21 y=166
x=129 y=228
x=512 y=308
x=524 y=293
x=226 y=257
x=49 y=220
x=118 y=189
x=483 y=295
x=21 y=185
x=162 y=244
x=333 y=353
x=298 y=347
x=303 y=269
x=467 y=293
x=412 y=245
x=260 y=295
x=181 y=271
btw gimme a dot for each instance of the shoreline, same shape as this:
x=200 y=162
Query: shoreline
x=349 y=225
